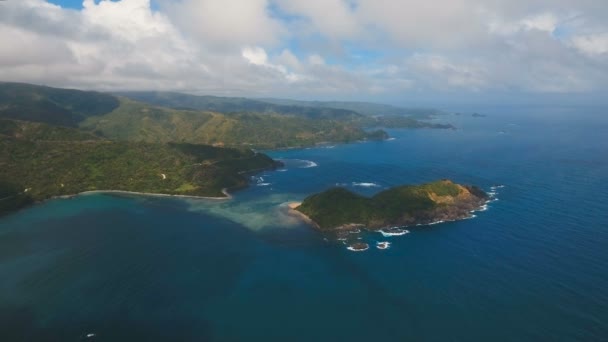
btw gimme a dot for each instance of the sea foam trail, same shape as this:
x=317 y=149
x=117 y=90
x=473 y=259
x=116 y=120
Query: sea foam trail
x=309 y=164
x=394 y=232
x=298 y=163
x=357 y=249
x=366 y=185
x=383 y=245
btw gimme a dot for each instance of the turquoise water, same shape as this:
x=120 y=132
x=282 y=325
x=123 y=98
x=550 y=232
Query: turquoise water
x=534 y=267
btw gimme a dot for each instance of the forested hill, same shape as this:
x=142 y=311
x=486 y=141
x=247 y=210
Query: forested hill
x=52 y=161
x=240 y=105
x=63 y=107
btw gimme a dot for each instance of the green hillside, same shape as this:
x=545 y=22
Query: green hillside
x=365 y=108
x=222 y=121
x=136 y=121
x=239 y=105
x=71 y=162
x=64 y=107
x=402 y=205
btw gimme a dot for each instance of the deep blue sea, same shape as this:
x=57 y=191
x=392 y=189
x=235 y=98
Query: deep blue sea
x=533 y=267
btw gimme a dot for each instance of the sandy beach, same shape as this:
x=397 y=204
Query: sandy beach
x=150 y=194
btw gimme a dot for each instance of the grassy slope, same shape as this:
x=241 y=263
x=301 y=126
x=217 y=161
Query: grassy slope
x=339 y=206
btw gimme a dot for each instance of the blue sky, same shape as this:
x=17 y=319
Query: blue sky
x=391 y=50
x=76 y=4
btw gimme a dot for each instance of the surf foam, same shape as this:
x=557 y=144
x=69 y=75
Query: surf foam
x=366 y=185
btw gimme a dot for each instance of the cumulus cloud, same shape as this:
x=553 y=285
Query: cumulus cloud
x=345 y=48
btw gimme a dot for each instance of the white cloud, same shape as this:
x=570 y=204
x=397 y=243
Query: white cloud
x=224 y=23
x=347 y=48
x=335 y=18
x=255 y=55
x=592 y=45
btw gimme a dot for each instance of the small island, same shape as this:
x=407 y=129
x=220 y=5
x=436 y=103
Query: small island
x=340 y=211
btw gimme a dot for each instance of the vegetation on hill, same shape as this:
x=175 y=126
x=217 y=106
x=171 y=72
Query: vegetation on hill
x=12 y=197
x=71 y=162
x=223 y=121
x=40 y=131
x=64 y=107
x=136 y=121
x=240 y=105
x=359 y=114
x=402 y=205
x=365 y=108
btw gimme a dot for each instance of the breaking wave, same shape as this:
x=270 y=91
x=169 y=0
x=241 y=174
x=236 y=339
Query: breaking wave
x=366 y=185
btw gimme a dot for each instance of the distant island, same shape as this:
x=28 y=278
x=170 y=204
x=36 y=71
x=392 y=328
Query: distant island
x=339 y=210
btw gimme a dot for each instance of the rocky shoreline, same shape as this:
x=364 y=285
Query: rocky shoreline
x=440 y=207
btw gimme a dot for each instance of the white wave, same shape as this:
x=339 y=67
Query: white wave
x=298 y=163
x=357 y=250
x=383 y=244
x=436 y=222
x=394 y=232
x=308 y=164
x=366 y=185
x=391 y=139
x=282 y=170
x=264 y=184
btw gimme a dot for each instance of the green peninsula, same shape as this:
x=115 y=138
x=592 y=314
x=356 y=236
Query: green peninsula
x=339 y=209
x=39 y=161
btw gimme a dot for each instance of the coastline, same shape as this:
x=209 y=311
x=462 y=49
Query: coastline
x=228 y=196
x=292 y=210
x=358 y=226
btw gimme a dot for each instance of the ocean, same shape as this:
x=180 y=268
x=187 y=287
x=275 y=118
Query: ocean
x=533 y=267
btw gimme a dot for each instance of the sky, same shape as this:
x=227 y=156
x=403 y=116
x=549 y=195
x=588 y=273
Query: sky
x=396 y=51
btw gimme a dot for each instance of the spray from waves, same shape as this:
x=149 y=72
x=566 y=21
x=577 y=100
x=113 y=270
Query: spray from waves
x=299 y=163
x=366 y=185
x=383 y=245
x=260 y=181
x=360 y=249
x=309 y=164
x=394 y=232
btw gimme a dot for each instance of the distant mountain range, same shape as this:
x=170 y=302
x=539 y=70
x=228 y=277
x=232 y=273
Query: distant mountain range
x=225 y=121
